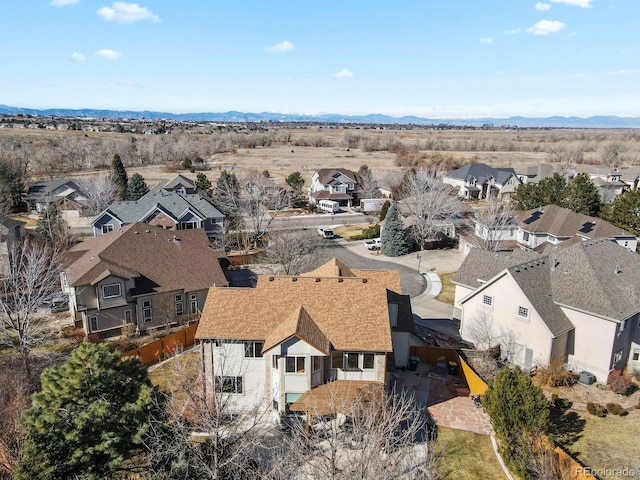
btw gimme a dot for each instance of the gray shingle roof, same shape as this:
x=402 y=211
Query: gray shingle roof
x=481 y=172
x=173 y=182
x=481 y=265
x=42 y=190
x=174 y=203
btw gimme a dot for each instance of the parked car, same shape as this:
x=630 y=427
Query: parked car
x=325 y=232
x=373 y=244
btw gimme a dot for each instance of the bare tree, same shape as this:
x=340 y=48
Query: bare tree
x=428 y=204
x=566 y=158
x=98 y=193
x=495 y=224
x=368 y=186
x=14 y=398
x=294 y=250
x=29 y=281
x=547 y=464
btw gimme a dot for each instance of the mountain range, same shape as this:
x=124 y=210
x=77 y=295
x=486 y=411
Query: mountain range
x=601 y=121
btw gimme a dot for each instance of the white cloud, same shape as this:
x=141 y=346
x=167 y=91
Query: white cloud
x=78 y=57
x=344 y=73
x=545 y=27
x=282 y=47
x=513 y=31
x=62 y=3
x=486 y=40
x=575 y=3
x=123 y=12
x=107 y=54
x=619 y=72
x=542 y=7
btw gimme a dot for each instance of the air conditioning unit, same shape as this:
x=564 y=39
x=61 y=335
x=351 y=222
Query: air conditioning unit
x=586 y=378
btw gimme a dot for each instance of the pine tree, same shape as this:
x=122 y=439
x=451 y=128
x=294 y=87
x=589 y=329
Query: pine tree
x=549 y=191
x=53 y=226
x=384 y=210
x=394 y=238
x=136 y=187
x=90 y=416
x=519 y=414
x=623 y=211
x=203 y=184
x=295 y=181
x=582 y=196
x=119 y=176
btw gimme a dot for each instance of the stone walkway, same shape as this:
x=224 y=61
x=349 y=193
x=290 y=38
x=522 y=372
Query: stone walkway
x=459 y=413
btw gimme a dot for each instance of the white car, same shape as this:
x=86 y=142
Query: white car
x=326 y=232
x=373 y=244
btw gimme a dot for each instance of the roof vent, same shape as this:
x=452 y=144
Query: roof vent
x=617 y=270
x=517 y=269
x=317 y=279
x=271 y=279
x=554 y=263
x=147 y=231
x=136 y=232
x=364 y=280
x=340 y=280
x=294 y=279
x=176 y=239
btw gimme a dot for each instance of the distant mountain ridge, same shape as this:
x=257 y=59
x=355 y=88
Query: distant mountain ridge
x=600 y=121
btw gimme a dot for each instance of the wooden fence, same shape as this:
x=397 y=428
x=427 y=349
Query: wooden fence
x=165 y=346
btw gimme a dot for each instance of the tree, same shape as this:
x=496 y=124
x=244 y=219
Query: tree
x=98 y=192
x=295 y=181
x=203 y=184
x=54 y=227
x=624 y=211
x=549 y=191
x=566 y=157
x=582 y=196
x=226 y=193
x=119 y=176
x=11 y=187
x=493 y=224
x=90 y=417
x=384 y=210
x=428 y=204
x=186 y=163
x=394 y=237
x=136 y=188
x=368 y=185
x=527 y=197
x=519 y=414
x=294 y=250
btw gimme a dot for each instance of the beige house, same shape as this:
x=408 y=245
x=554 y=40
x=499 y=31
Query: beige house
x=140 y=275
x=269 y=345
x=580 y=303
x=478 y=181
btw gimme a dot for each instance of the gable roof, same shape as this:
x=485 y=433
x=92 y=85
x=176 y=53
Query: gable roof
x=44 y=188
x=480 y=265
x=160 y=260
x=351 y=311
x=327 y=176
x=562 y=222
x=172 y=203
x=300 y=325
x=481 y=172
x=174 y=182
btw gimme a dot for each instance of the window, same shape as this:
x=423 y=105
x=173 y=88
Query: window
x=111 y=291
x=617 y=356
x=368 y=361
x=253 y=349
x=393 y=314
x=188 y=225
x=193 y=301
x=93 y=322
x=229 y=384
x=127 y=316
x=351 y=361
x=179 y=310
x=525 y=236
x=106 y=228
x=315 y=364
x=636 y=354
x=274 y=361
x=487 y=300
x=523 y=312
x=336 y=359
x=294 y=364
x=623 y=325
x=147 y=316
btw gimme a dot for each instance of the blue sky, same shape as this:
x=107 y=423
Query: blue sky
x=431 y=58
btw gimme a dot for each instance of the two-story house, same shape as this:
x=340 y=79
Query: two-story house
x=479 y=181
x=64 y=193
x=580 y=304
x=178 y=183
x=266 y=346
x=168 y=209
x=551 y=224
x=140 y=275
x=335 y=184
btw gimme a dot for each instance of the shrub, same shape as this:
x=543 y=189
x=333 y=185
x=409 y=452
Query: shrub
x=556 y=374
x=371 y=232
x=616 y=409
x=620 y=383
x=559 y=402
x=596 y=409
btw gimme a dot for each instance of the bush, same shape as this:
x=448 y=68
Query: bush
x=620 y=383
x=371 y=232
x=556 y=374
x=559 y=402
x=616 y=409
x=596 y=409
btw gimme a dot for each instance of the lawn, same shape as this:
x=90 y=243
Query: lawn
x=347 y=231
x=467 y=456
x=447 y=294
x=167 y=375
x=608 y=443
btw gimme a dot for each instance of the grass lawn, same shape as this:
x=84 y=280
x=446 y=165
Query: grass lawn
x=346 y=231
x=468 y=456
x=165 y=375
x=609 y=443
x=447 y=294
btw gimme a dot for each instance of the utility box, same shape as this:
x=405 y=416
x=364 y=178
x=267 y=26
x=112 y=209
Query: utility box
x=586 y=378
x=413 y=363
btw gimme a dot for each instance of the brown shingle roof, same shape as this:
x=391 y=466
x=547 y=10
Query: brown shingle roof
x=167 y=260
x=300 y=325
x=351 y=311
x=325 y=175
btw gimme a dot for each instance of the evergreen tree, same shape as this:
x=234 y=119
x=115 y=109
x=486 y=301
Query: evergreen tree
x=89 y=418
x=623 y=211
x=11 y=187
x=384 y=210
x=119 y=176
x=549 y=191
x=136 y=187
x=295 y=181
x=203 y=184
x=527 y=197
x=394 y=238
x=519 y=414
x=582 y=196
x=53 y=226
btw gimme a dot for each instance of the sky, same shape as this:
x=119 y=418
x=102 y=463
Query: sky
x=429 y=58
